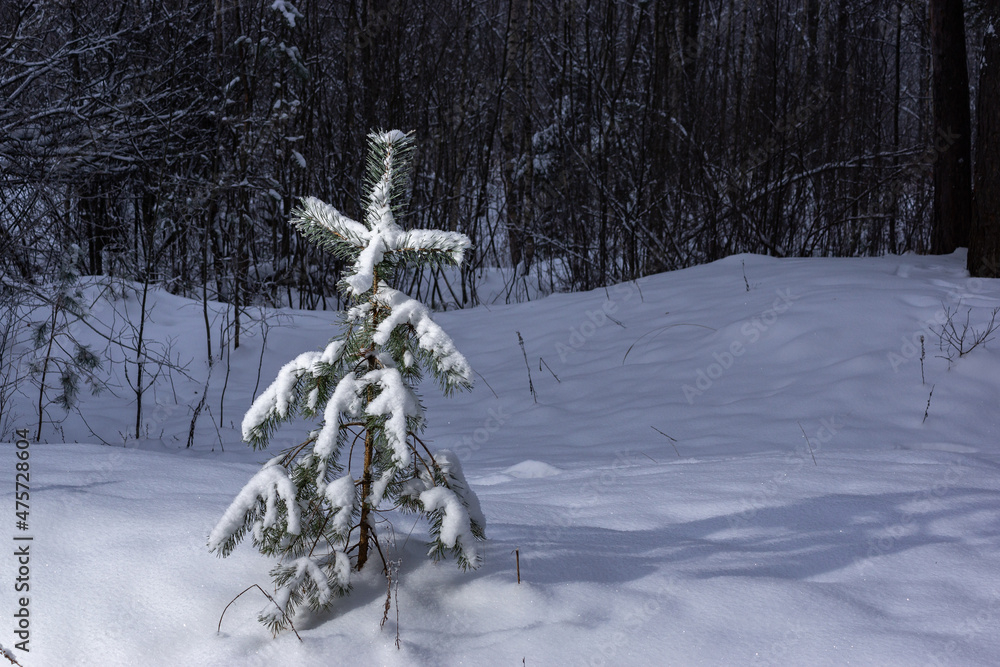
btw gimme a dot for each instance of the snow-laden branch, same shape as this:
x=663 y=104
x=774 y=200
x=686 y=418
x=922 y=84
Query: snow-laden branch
x=319 y=212
x=396 y=401
x=271 y=484
x=429 y=241
x=279 y=398
x=346 y=400
x=368 y=244
x=449 y=363
x=342 y=495
x=456 y=527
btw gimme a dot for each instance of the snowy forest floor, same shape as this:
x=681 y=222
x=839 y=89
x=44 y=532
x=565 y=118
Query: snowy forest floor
x=729 y=464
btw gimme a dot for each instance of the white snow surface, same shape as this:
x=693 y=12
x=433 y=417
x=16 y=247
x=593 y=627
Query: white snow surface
x=792 y=505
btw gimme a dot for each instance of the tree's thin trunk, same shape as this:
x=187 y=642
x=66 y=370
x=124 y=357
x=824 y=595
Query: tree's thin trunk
x=139 y=354
x=365 y=535
x=45 y=368
x=366 y=489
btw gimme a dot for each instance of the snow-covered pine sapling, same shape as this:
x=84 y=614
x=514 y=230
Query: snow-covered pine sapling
x=314 y=505
x=57 y=349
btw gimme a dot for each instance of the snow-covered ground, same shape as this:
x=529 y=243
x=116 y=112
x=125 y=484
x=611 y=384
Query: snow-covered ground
x=719 y=475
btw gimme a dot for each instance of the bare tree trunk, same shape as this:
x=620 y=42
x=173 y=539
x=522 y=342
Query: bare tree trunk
x=516 y=128
x=897 y=53
x=984 y=238
x=952 y=126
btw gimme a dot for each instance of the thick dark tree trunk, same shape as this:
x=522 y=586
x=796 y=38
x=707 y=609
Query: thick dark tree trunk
x=984 y=239
x=953 y=166
x=515 y=131
x=95 y=217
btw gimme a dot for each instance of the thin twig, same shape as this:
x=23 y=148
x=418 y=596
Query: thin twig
x=10 y=656
x=388 y=596
x=671 y=439
x=808 y=444
x=484 y=380
x=928 y=408
x=257 y=586
x=531 y=386
x=412 y=528
x=660 y=330
x=541 y=362
x=294 y=452
x=956 y=341
x=615 y=321
x=922 y=355
x=395 y=590
x=434 y=462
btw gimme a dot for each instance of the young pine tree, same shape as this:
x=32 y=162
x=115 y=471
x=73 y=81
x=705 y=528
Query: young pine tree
x=57 y=349
x=314 y=505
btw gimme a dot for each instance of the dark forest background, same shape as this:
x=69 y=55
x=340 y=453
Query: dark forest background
x=576 y=142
